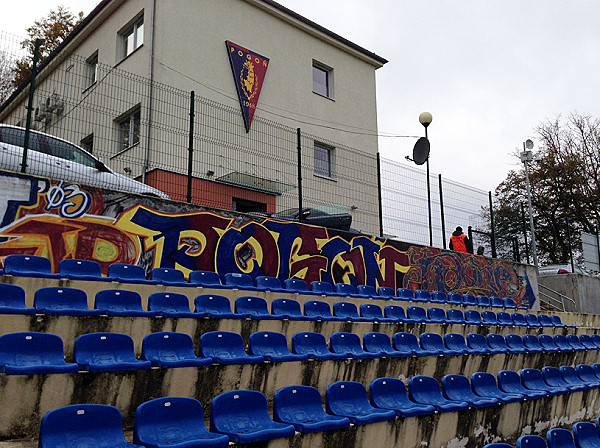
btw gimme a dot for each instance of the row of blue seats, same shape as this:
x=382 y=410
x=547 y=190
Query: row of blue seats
x=584 y=435
x=30 y=265
x=116 y=302
x=42 y=353
x=243 y=416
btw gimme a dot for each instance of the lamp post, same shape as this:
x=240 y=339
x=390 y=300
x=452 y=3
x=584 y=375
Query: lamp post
x=526 y=157
x=425 y=119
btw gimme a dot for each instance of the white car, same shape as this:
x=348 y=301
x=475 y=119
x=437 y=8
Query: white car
x=53 y=157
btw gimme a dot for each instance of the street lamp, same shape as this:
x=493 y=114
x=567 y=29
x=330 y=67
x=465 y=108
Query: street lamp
x=526 y=157
x=425 y=119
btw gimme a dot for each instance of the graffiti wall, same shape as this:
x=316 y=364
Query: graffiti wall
x=58 y=220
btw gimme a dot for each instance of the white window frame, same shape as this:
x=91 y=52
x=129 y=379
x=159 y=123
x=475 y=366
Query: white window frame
x=92 y=70
x=134 y=31
x=319 y=162
x=126 y=129
x=327 y=89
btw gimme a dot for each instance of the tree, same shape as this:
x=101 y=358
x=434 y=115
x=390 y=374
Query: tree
x=7 y=73
x=51 y=31
x=565 y=186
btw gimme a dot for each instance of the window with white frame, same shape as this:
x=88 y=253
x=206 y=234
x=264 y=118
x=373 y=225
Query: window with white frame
x=87 y=143
x=322 y=80
x=323 y=160
x=129 y=129
x=92 y=69
x=133 y=37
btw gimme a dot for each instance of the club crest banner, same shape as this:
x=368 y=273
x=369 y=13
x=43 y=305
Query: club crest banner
x=249 y=70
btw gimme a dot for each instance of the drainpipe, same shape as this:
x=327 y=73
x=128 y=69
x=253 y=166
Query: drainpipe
x=150 y=91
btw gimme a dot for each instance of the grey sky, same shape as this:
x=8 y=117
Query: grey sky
x=488 y=71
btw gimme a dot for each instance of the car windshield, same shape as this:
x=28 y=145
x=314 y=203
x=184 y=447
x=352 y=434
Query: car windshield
x=16 y=137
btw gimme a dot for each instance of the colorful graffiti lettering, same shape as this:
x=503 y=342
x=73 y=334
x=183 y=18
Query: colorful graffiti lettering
x=71 y=201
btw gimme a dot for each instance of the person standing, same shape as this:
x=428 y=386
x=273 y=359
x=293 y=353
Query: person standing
x=459 y=242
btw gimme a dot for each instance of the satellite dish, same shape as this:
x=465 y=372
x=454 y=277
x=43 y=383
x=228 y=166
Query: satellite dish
x=528 y=144
x=421 y=151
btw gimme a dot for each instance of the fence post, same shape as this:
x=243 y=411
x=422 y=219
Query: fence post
x=442 y=210
x=379 y=195
x=299 y=138
x=493 y=234
x=36 y=52
x=524 y=224
x=190 y=147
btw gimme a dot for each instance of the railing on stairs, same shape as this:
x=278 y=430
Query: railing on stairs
x=555 y=299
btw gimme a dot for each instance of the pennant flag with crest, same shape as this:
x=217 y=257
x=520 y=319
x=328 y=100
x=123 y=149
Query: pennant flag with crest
x=249 y=70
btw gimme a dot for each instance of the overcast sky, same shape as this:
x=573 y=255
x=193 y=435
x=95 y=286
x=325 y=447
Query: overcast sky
x=488 y=71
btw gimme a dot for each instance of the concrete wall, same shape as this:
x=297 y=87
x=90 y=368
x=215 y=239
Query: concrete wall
x=583 y=289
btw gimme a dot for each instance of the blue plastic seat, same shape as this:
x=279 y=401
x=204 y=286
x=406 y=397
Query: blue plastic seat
x=28 y=266
x=104 y=352
x=498 y=445
x=557 y=322
x=585 y=435
x=532 y=320
x=489 y=318
x=381 y=344
x=454 y=316
x=473 y=317
x=288 y=309
x=416 y=314
x=457 y=343
x=349 y=344
x=515 y=343
x=572 y=378
x=439 y=297
x=405 y=294
x=266 y=283
x=206 y=279
x=532 y=343
x=547 y=343
x=251 y=307
x=272 y=346
x=296 y=285
x=322 y=288
x=533 y=379
x=394 y=312
x=174 y=422
x=477 y=344
x=169 y=349
x=320 y=311
x=301 y=406
x=313 y=345
x=422 y=296
x=83 y=426
x=574 y=341
x=587 y=375
x=127 y=273
x=519 y=320
x=510 y=382
x=455 y=298
x=531 y=441
x=390 y=393
x=118 y=302
x=587 y=342
x=213 y=305
x=595 y=339
x=237 y=280
x=504 y=319
x=497 y=343
x=469 y=300
x=483 y=301
x=436 y=315
x=555 y=379
x=349 y=399
x=458 y=388
x=560 y=438
x=562 y=343
x=344 y=290
x=31 y=353
x=170 y=304
x=545 y=320
x=386 y=293
x=496 y=302
x=75 y=269
x=225 y=347
x=426 y=390
x=408 y=343
x=433 y=343
x=366 y=292
x=54 y=300
x=168 y=277
x=374 y=313
x=12 y=300
x=243 y=416
x=484 y=384
x=348 y=311
x=509 y=303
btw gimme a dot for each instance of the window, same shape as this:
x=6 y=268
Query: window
x=247 y=206
x=322 y=80
x=323 y=160
x=87 y=143
x=129 y=129
x=92 y=69
x=133 y=37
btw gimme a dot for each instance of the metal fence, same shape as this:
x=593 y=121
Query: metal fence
x=197 y=150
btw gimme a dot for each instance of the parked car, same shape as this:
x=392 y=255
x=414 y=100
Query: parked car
x=53 y=157
x=332 y=216
x=553 y=269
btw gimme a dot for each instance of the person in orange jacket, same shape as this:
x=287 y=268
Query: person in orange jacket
x=460 y=242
